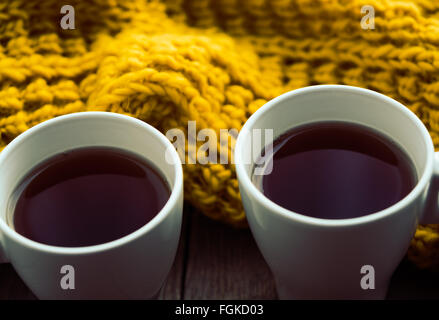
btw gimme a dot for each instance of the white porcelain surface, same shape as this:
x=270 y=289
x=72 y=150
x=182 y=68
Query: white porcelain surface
x=315 y=258
x=133 y=267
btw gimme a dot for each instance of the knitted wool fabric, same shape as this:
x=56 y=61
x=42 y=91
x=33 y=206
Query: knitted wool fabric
x=215 y=62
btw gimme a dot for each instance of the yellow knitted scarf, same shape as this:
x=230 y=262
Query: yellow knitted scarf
x=216 y=62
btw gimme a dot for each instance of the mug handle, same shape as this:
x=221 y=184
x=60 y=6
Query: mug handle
x=431 y=210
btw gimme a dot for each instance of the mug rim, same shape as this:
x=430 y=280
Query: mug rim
x=176 y=190
x=245 y=181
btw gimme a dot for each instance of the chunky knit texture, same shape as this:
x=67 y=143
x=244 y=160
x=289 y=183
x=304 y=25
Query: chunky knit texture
x=216 y=62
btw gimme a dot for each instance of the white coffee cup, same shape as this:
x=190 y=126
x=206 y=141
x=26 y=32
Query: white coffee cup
x=132 y=267
x=315 y=258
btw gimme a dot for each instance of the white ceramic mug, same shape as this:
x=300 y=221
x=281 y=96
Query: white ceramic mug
x=315 y=258
x=132 y=267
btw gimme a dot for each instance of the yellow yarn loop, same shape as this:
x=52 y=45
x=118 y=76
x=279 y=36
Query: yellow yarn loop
x=216 y=62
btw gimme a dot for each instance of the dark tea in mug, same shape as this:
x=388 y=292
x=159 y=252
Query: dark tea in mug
x=88 y=196
x=336 y=170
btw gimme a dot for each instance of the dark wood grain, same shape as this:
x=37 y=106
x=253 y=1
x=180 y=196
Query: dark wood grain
x=11 y=285
x=224 y=263
x=411 y=283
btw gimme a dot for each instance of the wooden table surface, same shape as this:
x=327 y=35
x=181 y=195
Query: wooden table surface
x=215 y=261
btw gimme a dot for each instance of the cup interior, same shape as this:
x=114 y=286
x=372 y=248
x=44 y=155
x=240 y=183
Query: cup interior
x=78 y=130
x=337 y=103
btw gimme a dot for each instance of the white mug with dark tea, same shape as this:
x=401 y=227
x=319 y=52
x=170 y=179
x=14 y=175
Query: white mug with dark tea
x=90 y=208
x=334 y=200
